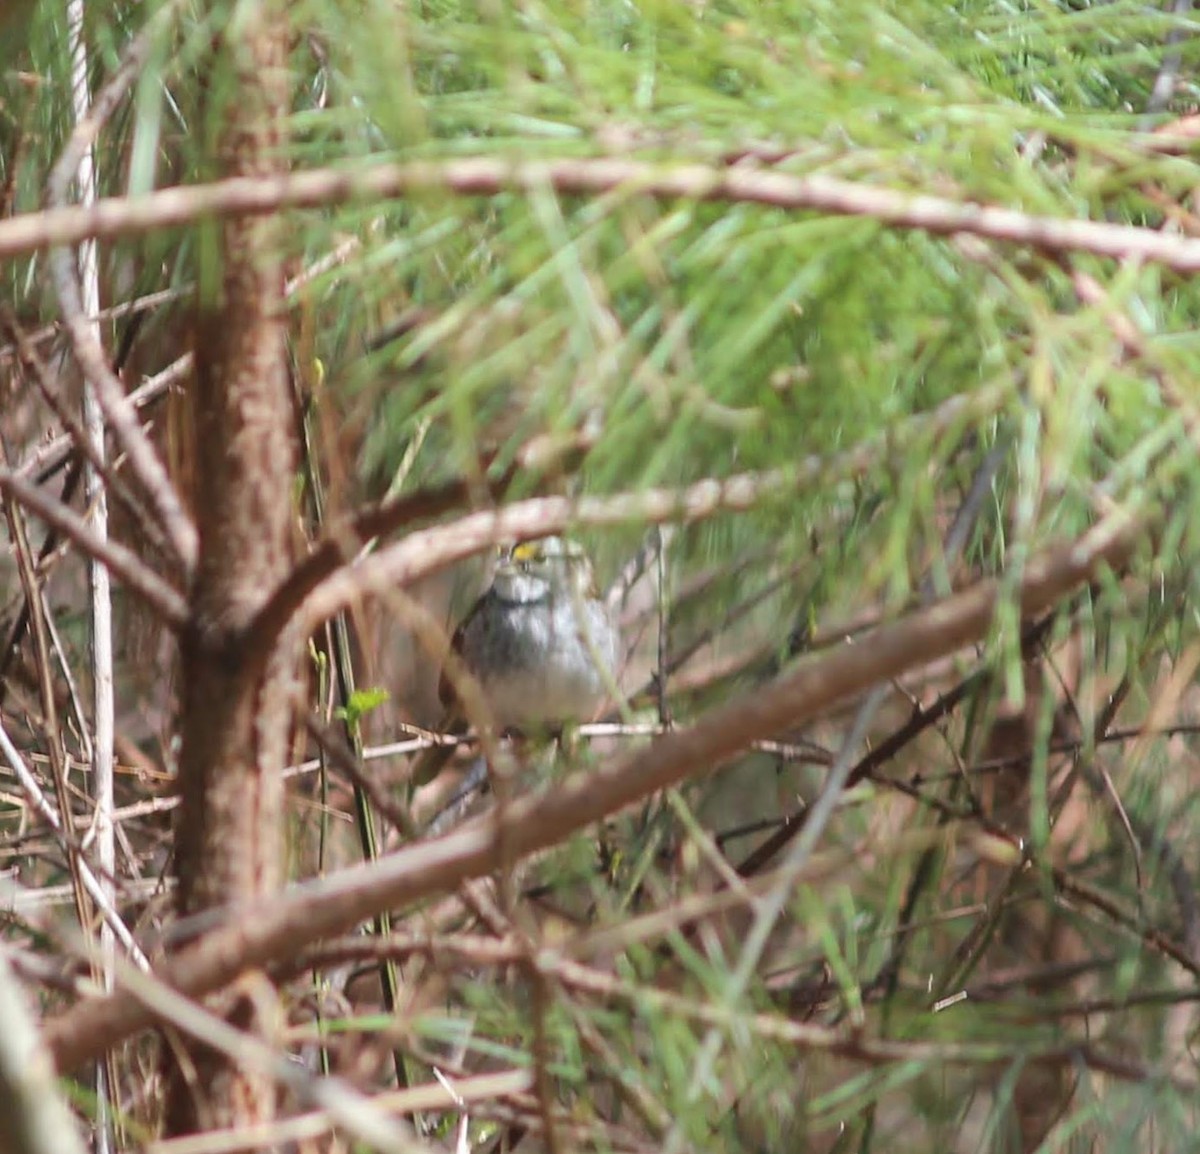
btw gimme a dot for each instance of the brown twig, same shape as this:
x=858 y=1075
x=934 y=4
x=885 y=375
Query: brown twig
x=849 y=1043
x=47 y=459
x=52 y=731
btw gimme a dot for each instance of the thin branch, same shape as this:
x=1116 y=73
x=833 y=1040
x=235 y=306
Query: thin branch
x=49 y=545
x=97 y=480
x=331 y=905
x=100 y=477
x=48 y=458
x=123 y=563
x=1168 y=73
x=145 y=303
x=46 y=811
x=85 y=343
x=31 y=586
x=1134 y=347
x=329 y=584
x=578 y=976
x=343 y=757
x=357 y=1114
x=427 y=1097
x=485 y=176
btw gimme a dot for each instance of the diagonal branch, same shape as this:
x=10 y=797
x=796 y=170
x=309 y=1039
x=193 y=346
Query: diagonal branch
x=332 y=905
x=324 y=583
x=91 y=451
x=122 y=562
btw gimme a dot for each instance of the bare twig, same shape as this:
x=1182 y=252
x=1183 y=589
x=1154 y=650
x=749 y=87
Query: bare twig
x=145 y=303
x=353 y=1111
x=53 y=732
x=97 y=478
x=126 y=565
x=48 y=458
x=89 y=444
x=415 y=1099
x=37 y=799
x=1168 y=73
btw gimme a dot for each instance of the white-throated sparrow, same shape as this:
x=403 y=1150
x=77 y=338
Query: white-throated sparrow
x=540 y=642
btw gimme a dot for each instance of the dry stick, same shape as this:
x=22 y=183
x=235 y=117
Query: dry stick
x=357 y=1114
x=90 y=447
x=335 y=747
x=97 y=478
x=579 y=976
x=882 y=753
x=32 y=589
x=487 y=176
x=106 y=386
x=429 y=1096
x=1168 y=72
x=145 y=303
x=47 y=459
x=21 y=621
x=46 y=811
x=133 y=573
x=1134 y=348
x=73 y=697
x=266 y=932
x=49 y=456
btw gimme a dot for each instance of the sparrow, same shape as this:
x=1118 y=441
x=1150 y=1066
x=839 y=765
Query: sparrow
x=541 y=643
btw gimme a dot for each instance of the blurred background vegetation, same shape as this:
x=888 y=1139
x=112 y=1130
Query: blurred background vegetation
x=436 y=336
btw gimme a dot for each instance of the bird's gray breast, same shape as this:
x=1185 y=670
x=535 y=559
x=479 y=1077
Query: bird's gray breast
x=539 y=654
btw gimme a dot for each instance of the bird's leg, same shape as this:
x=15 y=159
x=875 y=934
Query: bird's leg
x=456 y=807
x=568 y=744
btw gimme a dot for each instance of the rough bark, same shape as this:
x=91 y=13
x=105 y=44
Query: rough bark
x=234 y=722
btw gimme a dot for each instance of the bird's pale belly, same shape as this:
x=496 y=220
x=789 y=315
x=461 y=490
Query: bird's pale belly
x=547 y=683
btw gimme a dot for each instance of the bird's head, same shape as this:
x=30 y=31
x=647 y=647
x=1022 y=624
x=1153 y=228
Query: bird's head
x=552 y=565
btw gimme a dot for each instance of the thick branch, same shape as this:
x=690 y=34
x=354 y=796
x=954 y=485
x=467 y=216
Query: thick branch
x=267 y=932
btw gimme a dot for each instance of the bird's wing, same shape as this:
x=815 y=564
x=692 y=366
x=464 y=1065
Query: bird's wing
x=431 y=762
x=446 y=693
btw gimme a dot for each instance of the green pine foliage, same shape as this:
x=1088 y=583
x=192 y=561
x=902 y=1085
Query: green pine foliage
x=878 y=367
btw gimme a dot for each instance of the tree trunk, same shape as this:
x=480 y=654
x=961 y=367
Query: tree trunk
x=234 y=724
